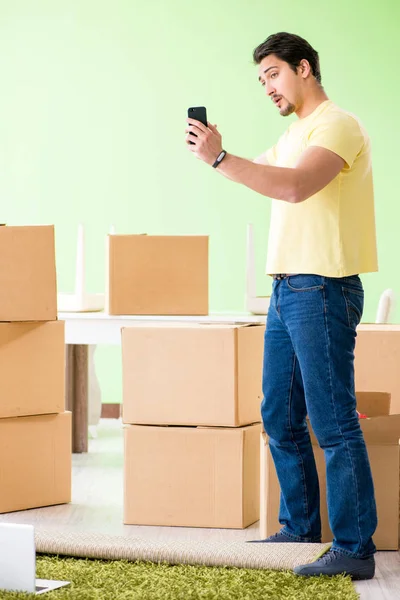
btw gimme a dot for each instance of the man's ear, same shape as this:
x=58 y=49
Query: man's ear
x=304 y=68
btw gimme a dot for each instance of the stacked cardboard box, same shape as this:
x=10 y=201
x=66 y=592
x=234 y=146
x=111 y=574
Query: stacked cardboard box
x=157 y=275
x=378 y=345
x=191 y=405
x=377 y=358
x=35 y=432
x=381 y=432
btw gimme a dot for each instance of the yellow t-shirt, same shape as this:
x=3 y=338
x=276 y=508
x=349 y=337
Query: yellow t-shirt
x=332 y=233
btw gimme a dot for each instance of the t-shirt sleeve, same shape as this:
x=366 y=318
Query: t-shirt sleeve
x=270 y=155
x=343 y=136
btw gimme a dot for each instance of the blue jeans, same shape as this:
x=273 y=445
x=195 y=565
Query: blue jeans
x=309 y=370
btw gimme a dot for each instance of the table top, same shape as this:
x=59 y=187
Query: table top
x=102 y=328
x=225 y=317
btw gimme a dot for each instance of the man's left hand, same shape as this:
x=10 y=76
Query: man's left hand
x=208 y=143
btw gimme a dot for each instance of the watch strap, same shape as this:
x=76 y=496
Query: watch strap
x=219 y=158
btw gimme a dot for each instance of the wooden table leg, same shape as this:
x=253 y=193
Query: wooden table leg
x=69 y=377
x=77 y=394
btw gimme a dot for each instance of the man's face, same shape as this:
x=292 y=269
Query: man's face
x=281 y=84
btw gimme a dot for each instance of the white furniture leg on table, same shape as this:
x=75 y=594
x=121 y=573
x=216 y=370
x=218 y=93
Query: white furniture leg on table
x=385 y=308
x=80 y=300
x=258 y=305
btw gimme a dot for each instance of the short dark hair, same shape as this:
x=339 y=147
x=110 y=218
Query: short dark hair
x=292 y=49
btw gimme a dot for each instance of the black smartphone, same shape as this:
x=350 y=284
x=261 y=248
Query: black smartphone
x=199 y=113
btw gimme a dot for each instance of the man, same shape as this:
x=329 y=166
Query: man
x=322 y=235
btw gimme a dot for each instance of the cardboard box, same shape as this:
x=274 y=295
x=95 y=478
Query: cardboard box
x=28 y=289
x=381 y=433
x=191 y=476
x=35 y=461
x=377 y=360
x=32 y=368
x=192 y=374
x=157 y=275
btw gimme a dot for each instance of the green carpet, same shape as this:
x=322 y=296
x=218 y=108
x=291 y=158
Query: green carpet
x=123 y=580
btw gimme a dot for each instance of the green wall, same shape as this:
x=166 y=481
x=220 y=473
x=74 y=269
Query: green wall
x=92 y=114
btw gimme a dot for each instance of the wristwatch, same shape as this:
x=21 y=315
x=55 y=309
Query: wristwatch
x=219 y=158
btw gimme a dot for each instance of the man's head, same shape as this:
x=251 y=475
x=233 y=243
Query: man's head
x=288 y=68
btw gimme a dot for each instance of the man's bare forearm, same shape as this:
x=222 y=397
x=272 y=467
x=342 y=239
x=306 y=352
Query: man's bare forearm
x=275 y=182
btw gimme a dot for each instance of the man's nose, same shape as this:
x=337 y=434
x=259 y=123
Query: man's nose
x=269 y=89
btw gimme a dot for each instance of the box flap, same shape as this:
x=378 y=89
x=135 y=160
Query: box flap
x=239 y=428
x=383 y=430
x=373 y=404
x=382 y=327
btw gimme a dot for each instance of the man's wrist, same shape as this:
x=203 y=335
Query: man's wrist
x=219 y=159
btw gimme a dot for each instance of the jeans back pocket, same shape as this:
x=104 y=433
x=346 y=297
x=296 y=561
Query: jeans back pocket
x=354 y=299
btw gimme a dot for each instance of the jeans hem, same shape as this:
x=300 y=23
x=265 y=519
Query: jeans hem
x=344 y=552
x=297 y=538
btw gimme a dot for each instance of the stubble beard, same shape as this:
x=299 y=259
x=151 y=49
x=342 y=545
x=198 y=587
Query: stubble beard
x=288 y=110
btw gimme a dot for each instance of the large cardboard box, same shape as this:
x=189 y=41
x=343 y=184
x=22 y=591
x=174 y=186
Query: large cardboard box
x=377 y=360
x=191 y=476
x=28 y=289
x=32 y=368
x=35 y=461
x=381 y=433
x=192 y=374
x=157 y=275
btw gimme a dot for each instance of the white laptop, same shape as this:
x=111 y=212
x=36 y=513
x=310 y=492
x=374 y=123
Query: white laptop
x=18 y=561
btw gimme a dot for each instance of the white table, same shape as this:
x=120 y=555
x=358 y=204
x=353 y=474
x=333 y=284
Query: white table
x=100 y=328
x=84 y=331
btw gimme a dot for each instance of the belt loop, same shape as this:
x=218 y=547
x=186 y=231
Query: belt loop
x=281 y=276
